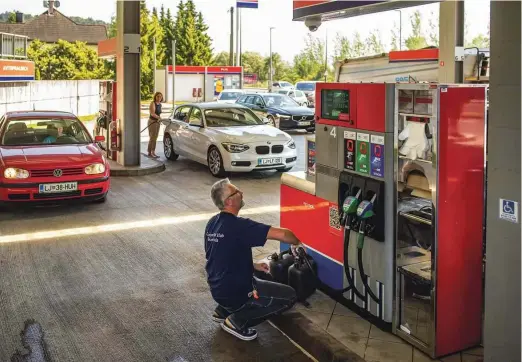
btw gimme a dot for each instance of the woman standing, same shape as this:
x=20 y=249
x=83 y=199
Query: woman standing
x=154 y=123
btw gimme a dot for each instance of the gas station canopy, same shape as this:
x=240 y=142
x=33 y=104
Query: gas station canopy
x=337 y=9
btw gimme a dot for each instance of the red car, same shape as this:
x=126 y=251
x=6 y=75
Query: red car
x=48 y=156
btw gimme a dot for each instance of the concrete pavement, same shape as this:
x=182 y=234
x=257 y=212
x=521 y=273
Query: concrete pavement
x=124 y=280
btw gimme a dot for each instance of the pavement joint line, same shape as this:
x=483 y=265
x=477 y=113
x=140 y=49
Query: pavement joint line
x=173 y=220
x=305 y=352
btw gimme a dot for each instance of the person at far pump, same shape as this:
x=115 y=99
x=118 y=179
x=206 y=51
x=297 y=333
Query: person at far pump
x=244 y=300
x=154 y=123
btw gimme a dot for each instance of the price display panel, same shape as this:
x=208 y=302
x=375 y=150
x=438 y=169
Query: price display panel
x=335 y=104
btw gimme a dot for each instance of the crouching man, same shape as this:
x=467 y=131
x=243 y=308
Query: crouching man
x=244 y=301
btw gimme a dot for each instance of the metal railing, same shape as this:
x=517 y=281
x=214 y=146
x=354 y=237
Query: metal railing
x=13 y=46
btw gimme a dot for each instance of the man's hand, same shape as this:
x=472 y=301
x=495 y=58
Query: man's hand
x=262 y=267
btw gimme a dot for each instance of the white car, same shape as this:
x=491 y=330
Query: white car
x=229 y=95
x=296 y=95
x=280 y=85
x=227 y=138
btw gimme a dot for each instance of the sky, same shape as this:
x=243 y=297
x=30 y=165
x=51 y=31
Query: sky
x=287 y=37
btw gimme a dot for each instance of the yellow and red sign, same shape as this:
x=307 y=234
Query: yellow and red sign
x=16 y=70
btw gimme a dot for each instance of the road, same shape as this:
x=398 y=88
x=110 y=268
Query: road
x=125 y=280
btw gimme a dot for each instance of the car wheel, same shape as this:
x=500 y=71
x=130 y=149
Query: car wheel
x=215 y=162
x=271 y=121
x=168 y=148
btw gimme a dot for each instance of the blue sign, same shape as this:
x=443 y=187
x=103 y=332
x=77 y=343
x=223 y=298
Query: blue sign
x=377 y=156
x=508 y=210
x=250 y=4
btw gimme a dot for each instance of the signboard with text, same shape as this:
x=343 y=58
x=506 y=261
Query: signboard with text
x=16 y=70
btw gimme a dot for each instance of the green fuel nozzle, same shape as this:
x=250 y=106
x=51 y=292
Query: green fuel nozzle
x=350 y=205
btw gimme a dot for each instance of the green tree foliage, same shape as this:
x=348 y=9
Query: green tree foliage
x=395 y=37
x=374 y=43
x=309 y=64
x=193 y=45
x=254 y=62
x=222 y=58
x=434 y=30
x=167 y=24
x=65 y=61
x=416 y=40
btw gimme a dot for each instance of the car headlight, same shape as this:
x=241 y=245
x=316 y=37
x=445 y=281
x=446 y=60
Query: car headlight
x=282 y=116
x=291 y=144
x=95 y=169
x=235 y=147
x=13 y=173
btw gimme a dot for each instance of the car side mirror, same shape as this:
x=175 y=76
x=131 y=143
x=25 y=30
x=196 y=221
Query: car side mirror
x=99 y=139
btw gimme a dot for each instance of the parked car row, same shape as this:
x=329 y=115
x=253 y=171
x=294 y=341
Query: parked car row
x=306 y=87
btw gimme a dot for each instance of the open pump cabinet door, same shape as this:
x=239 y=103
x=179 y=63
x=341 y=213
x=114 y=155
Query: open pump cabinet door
x=393 y=215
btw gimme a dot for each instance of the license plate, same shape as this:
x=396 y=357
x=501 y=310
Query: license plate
x=304 y=123
x=56 y=188
x=269 y=161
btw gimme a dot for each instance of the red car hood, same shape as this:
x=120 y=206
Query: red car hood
x=50 y=155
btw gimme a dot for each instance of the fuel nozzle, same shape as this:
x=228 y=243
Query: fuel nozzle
x=364 y=212
x=350 y=209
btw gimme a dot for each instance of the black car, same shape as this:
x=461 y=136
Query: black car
x=280 y=110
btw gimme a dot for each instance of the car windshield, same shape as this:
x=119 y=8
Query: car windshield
x=276 y=100
x=305 y=86
x=285 y=92
x=42 y=131
x=230 y=117
x=226 y=96
x=284 y=84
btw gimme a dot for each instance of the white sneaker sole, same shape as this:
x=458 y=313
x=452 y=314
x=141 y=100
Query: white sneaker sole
x=235 y=334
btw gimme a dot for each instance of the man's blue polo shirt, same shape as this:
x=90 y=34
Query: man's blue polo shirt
x=229 y=240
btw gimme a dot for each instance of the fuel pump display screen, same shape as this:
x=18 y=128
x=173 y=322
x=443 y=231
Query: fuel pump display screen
x=334 y=102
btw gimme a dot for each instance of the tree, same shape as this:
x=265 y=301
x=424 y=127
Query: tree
x=359 y=48
x=193 y=45
x=374 y=43
x=12 y=17
x=416 y=40
x=395 y=37
x=343 y=48
x=309 y=64
x=254 y=62
x=64 y=61
x=167 y=25
x=221 y=59
x=434 y=29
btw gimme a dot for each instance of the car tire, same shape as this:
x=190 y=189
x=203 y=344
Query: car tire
x=271 y=121
x=215 y=162
x=310 y=130
x=168 y=148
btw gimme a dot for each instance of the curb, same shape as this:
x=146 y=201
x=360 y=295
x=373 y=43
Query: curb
x=314 y=340
x=152 y=167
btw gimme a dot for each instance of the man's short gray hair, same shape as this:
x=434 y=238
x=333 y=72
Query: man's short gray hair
x=217 y=193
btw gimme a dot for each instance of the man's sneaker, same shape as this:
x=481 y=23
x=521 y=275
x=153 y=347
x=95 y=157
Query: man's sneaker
x=220 y=314
x=247 y=334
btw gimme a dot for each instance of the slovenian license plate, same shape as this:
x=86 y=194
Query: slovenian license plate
x=269 y=161
x=304 y=123
x=55 y=188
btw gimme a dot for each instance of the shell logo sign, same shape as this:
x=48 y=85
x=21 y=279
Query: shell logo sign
x=16 y=70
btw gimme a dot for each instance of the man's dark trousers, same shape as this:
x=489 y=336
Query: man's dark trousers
x=272 y=298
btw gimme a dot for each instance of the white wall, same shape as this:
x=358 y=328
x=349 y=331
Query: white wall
x=184 y=85
x=80 y=97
